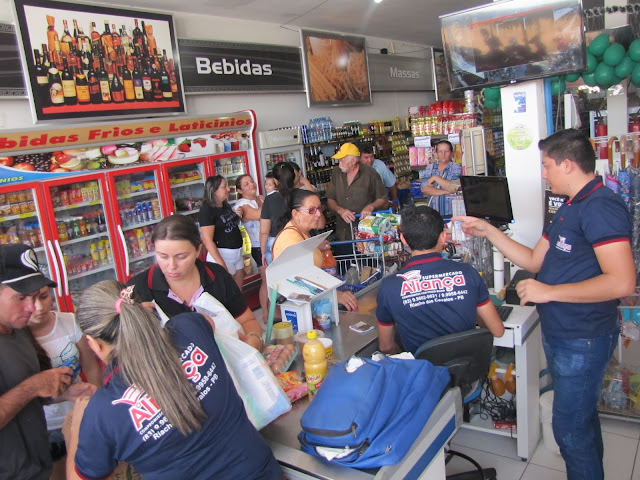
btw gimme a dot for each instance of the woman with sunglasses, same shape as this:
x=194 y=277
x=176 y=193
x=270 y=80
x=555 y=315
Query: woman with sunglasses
x=304 y=217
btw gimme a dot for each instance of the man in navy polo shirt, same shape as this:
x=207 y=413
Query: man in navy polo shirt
x=430 y=297
x=584 y=264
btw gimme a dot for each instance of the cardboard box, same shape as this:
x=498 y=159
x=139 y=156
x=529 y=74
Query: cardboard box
x=297 y=261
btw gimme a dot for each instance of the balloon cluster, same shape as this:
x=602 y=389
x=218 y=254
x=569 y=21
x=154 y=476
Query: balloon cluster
x=491 y=97
x=608 y=63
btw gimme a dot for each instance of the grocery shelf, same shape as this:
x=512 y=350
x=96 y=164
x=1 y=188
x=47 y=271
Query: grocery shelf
x=138 y=194
x=93 y=272
x=186 y=184
x=17 y=217
x=139 y=225
x=77 y=205
x=84 y=239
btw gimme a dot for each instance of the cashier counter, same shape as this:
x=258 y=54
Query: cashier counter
x=426 y=458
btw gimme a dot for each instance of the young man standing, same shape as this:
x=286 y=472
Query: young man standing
x=24 y=443
x=584 y=264
x=430 y=297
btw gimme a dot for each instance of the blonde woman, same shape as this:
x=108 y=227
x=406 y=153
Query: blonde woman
x=168 y=405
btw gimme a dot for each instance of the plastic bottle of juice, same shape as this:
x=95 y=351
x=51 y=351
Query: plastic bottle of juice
x=315 y=363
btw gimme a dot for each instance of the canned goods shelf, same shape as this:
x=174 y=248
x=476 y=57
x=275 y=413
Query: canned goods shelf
x=186 y=184
x=93 y=272
x=84 y=239
x=139 y=225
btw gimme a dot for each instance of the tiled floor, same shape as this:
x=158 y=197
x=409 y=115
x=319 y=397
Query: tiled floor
x=621 y=454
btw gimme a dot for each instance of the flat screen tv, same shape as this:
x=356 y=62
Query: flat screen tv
x=487 y=198
x=513 y=40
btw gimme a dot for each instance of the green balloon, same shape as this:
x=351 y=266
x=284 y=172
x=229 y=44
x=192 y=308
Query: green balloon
x=599 y=44
x=572 y=77
x=491 y=93
x=634 y=50
x=557 y=86
x=635 y=74
x=613 y=55
x=592 y=63
x=491 y=103
x=589 y=79
x=624 y=68
x=604 y=75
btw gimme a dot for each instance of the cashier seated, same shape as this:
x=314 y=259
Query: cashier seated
x=304 y=216
x=431 y=296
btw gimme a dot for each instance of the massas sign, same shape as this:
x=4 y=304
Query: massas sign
x=211 y=66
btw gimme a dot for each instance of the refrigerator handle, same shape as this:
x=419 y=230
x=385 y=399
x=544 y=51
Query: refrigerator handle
x=64 y=268
x=126 y=253
x=53 y=257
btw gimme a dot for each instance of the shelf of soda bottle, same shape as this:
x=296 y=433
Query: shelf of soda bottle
x=100 y=258
x=81 y=226
x=21 y=232
x=139 y=242
x=440 y=118
x=140 y=213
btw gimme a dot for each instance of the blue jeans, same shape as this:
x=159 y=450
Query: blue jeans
x=577 y=367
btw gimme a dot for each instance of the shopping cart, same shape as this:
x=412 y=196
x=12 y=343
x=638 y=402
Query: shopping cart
x=361 y=269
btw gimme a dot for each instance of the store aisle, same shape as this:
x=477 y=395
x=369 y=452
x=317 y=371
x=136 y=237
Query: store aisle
x=621 y=454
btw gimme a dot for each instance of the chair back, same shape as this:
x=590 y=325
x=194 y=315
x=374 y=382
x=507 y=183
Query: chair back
x=466 y=354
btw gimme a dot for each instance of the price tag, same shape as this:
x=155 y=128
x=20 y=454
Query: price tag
x=454 y=138
x=422 y=141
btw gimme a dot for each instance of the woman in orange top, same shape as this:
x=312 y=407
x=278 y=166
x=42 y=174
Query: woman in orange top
x=305 y=216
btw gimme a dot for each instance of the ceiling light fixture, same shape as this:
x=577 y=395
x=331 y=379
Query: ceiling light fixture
x=378 y=1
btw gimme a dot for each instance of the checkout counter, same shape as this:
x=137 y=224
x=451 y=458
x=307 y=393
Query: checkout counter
x=426 y=457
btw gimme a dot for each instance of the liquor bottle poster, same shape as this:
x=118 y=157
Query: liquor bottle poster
x=129 y=68
x=336 y=69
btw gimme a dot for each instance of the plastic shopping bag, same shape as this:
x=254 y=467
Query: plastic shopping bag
x=225 y=323
x=263 y=397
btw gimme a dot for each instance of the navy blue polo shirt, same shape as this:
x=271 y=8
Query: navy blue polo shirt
x=123 y=423
x=595 y=216
x=430 y=297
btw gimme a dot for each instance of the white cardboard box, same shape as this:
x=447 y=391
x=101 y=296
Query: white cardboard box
x=297 y=260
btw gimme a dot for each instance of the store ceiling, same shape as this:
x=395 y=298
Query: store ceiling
x=411 y=21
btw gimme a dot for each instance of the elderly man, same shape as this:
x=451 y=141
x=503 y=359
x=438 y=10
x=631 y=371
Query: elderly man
x=24 y=443
x=388 y=178
x=354 y=188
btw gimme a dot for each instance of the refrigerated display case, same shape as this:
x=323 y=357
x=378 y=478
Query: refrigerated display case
x=82 y=234
x=23 y=220
x=184 y=185
x=138 y=204
x=230 y=166
x=276 y=146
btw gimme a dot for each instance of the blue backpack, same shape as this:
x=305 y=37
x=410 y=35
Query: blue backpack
x=377 y=411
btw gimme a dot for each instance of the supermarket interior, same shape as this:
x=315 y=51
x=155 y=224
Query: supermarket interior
x=115 y=117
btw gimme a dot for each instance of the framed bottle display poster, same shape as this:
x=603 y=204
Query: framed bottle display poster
x=336 y=69
x=86 y=61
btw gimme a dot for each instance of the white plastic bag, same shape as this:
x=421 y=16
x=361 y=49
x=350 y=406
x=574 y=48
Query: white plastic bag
x=264 y=400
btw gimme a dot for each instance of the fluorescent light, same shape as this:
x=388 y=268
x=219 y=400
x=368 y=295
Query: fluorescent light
x=378 y=1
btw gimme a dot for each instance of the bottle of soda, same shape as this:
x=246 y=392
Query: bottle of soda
x=329 y=263
x=315 y=362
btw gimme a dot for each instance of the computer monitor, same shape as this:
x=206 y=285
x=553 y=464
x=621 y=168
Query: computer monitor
x=487 y=198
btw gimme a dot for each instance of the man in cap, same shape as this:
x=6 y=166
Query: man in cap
x=354 y=188
x=24 y=444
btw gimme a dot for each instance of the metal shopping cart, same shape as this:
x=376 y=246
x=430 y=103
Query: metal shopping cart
x=361 y=269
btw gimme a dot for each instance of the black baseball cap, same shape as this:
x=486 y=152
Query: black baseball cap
x=19 y=269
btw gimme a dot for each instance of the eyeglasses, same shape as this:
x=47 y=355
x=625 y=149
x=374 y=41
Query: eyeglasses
x=312 y=210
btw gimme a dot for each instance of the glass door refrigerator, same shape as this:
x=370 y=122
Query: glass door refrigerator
x=82 y=233
x=231 y=166
x=183 y=185
x=23 y=219
x=138 y=206
x=276 y=146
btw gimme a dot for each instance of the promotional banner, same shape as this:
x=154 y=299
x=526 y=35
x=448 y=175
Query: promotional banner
x=212 y=66
x=130 y=69
x=335 y=68
x=394 y=73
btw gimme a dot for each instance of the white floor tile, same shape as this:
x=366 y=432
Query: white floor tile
x=619 y=455
x=636 y=467
x=486 y=442
x=506 y=468
x=545 y=458
x=620 y=426
x=536 y=472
